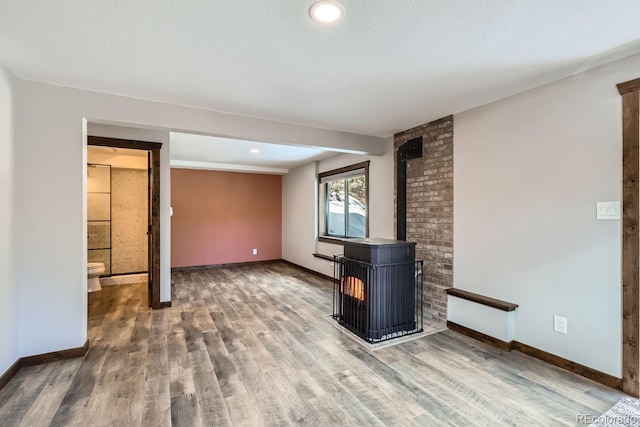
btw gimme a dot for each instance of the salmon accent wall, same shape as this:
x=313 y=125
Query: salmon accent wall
x=220 y=217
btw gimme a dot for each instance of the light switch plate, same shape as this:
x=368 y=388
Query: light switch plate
x=608 y=210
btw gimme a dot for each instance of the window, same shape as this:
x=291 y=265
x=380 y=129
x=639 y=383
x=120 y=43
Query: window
x=343 y=200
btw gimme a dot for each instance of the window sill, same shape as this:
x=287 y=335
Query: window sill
x=333 y=240
x=336 y=240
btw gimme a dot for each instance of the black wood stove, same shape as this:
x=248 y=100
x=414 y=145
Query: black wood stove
x=378 y=288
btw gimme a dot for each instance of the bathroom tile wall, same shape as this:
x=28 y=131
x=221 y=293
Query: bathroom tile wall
x=99 y=215
x=129 y=220
x=99 y=234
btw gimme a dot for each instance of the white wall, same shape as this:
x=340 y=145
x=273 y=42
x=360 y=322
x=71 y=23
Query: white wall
x=298 y=217
x=299 y=205
x=8 y=287
x=50 y=246
x=529 y=170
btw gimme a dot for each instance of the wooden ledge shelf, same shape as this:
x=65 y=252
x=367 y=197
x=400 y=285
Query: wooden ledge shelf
x=327 y=257
x=481 y=299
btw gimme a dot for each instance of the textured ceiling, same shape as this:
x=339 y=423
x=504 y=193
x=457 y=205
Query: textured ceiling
x=388 y=66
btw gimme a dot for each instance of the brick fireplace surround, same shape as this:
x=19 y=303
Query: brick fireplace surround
x=430 y=211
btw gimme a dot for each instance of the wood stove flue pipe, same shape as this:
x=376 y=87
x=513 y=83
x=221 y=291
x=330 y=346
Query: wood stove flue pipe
x=411 y=149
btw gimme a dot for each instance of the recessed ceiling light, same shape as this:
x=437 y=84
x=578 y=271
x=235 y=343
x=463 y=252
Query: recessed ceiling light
x=254 y=151
x=326 y=11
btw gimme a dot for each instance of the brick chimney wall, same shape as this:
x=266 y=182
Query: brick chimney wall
x=430 y=211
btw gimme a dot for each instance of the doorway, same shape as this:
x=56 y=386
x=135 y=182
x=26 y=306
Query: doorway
x=153 y=196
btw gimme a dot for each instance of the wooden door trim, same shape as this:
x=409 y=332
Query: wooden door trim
x=155 y=228
x=628 y=87
x=154 y=148
x=123 y=143
x=630 y=92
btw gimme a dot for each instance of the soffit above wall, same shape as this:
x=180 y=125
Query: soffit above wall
x=207 y=152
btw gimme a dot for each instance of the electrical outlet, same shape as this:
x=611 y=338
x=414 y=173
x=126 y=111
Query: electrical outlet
x=560 y=324
x=255 y=252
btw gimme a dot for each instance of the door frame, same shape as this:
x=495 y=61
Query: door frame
x=154 y=182
x=630 y=92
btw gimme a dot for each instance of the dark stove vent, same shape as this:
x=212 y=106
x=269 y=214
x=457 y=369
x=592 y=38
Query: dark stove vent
x=411 y=149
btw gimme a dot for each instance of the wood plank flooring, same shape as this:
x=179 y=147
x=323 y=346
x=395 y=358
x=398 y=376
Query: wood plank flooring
x=248 y=346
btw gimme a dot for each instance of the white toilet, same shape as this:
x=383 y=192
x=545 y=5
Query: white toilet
x=94 y=269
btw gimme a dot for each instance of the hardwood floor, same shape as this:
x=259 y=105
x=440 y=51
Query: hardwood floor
x=248 y=346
